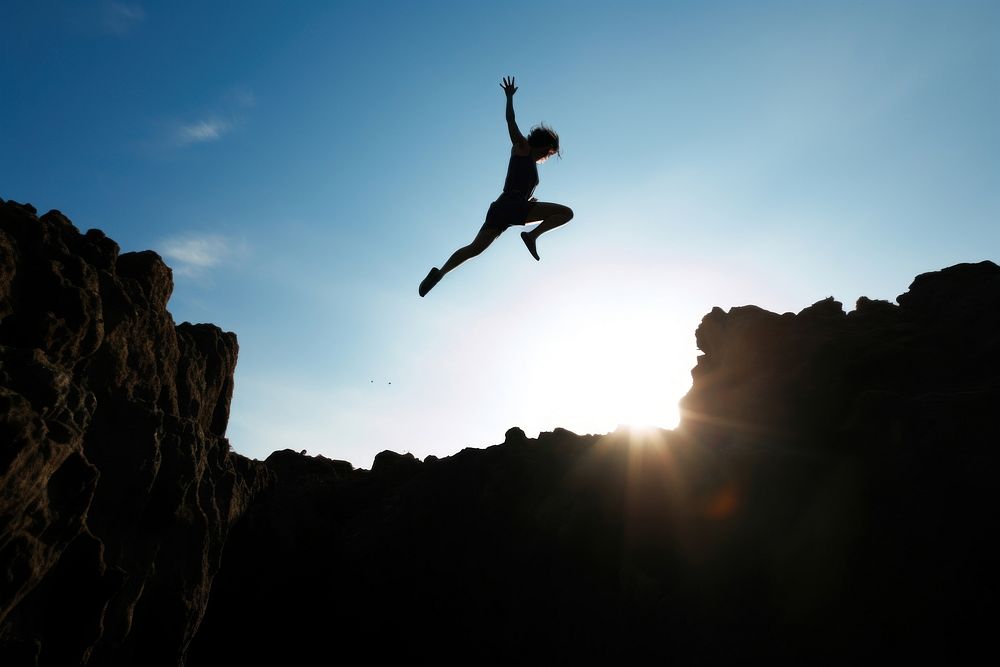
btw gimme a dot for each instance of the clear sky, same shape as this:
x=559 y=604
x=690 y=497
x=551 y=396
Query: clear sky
x=302 y=165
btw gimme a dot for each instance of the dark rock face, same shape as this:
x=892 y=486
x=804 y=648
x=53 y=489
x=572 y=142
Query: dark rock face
x=822 y=375
x=887 y=418
x=117 y=488
x=828 y=498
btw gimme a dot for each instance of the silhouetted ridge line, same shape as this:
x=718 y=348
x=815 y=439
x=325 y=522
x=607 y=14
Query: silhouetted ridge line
x=827 y=497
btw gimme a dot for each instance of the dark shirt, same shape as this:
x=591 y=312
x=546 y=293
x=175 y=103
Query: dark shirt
x=522 y=176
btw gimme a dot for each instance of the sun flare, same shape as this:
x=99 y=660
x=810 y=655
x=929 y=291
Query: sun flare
x=612 y=372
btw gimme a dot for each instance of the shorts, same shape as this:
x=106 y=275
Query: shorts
x=506 y=211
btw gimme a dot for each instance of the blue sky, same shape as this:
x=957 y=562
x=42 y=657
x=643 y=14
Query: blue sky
x=302 y=165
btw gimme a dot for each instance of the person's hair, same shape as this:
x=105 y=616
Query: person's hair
x=543 y=136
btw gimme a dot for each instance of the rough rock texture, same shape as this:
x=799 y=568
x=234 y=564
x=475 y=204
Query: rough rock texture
x=828 y=498
x=117 y=487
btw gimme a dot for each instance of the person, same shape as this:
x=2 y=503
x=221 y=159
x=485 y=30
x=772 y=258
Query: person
x=515 y=205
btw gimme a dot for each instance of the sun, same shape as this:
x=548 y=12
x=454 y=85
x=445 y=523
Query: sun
x=611 y=372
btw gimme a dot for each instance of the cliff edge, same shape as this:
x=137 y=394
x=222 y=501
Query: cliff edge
x=117 y=487
x=828 y=497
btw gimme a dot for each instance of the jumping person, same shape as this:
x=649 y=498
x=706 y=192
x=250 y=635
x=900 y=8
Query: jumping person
x=515 y=206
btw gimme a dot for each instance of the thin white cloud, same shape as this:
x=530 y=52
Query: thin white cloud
x=201 y=131
x=120 y=18
x=226 y=116
x=193 y=255
x=174 y=133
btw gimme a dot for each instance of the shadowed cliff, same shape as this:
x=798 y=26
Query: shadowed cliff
x=117 y=488
x=827 y=497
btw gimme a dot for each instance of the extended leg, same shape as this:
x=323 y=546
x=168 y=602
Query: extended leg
x=482 y=241
x=551 y=216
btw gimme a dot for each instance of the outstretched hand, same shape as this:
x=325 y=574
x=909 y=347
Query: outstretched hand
x=508 y=86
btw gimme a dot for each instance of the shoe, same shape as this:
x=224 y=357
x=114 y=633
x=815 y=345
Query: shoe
x=428 y=283
x=530 y=242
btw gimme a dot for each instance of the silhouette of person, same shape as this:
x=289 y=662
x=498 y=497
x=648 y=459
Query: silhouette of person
x=515 y=206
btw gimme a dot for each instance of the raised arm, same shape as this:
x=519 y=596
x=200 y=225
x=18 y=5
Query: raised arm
x=516 y=138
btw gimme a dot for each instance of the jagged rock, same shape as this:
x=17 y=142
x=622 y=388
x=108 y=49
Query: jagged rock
x=392 y=463
x=117 y=487
x=288 y=465
x=801 y=377
x=828 y=497
x=515 y=436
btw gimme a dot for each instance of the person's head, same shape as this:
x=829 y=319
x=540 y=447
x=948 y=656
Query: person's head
x=544 y=141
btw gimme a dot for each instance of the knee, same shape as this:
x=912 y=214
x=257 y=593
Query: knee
x=568 y=212
x=474 y=249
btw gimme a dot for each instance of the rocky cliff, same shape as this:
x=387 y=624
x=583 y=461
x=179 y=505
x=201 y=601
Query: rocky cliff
x=829 y=495
x=117 y=487
x=828 y=498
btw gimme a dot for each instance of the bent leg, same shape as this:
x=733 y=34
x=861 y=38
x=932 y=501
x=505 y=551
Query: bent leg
x=482 y=241
x=550 y=215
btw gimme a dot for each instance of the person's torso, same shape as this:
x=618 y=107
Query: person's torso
x=522 y=176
